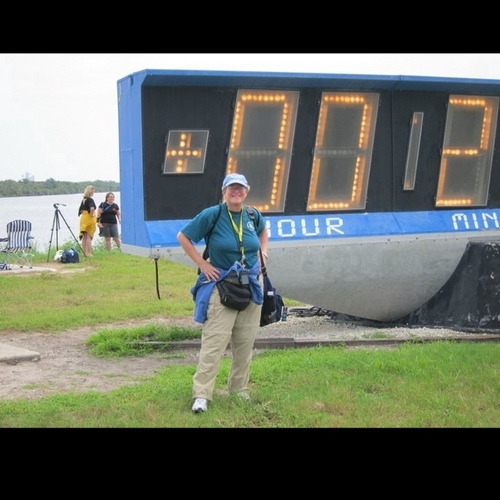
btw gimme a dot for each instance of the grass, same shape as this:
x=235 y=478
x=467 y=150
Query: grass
x=437 y=385
x=138 y=341
x=112 y=287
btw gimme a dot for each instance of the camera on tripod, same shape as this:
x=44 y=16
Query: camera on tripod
x=56 y=224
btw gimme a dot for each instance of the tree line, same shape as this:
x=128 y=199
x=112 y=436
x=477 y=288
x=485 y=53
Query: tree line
x=10 y=188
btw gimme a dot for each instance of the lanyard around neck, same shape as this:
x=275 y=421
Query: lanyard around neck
x=239 y=232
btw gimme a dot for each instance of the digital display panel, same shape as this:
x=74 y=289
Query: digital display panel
x=263 y=126
x=466 y=161
x=343 y=150
x=261 y=144
x=185 y=152
x=413 y=151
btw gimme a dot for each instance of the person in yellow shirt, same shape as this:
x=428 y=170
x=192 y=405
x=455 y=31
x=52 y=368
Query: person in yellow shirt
x=88 y=222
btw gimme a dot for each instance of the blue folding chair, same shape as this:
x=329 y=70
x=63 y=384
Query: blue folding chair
x=3 y=265
x=17 y=249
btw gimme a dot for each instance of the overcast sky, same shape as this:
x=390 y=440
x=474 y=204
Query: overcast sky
x=59 y=112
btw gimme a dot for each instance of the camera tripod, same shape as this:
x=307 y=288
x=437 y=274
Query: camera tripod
x=56 y=224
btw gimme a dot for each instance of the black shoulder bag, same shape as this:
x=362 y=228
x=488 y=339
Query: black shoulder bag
x=273 y=304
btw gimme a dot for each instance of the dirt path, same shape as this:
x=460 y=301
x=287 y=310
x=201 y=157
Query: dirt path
x=66 y=365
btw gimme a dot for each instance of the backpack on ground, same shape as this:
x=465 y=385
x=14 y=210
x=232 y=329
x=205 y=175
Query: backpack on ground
x=70 y=256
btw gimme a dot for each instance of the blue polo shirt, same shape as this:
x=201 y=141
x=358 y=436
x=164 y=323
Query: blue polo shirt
x=223 y=246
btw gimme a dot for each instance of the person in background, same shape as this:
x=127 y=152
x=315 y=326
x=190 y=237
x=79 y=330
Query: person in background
x=88 y=223
x=235 y=238
x=108 y=217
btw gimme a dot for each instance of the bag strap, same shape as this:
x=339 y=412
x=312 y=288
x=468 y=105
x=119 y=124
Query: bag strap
x=207 y=236
x=251 y=214
x=263 y=267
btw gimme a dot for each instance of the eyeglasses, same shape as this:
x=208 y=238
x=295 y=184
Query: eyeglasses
x=235 y=187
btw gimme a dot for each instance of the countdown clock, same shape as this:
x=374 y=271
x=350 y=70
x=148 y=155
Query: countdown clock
x=375 y=182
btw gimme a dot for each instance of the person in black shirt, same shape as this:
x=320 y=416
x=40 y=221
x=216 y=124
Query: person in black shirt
x=108 y=217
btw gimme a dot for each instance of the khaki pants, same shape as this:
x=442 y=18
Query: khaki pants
x=224 y=326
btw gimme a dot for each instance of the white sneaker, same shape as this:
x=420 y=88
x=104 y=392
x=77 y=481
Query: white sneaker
x=199 y=405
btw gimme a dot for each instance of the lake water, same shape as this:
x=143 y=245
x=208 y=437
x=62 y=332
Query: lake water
x=40 y=211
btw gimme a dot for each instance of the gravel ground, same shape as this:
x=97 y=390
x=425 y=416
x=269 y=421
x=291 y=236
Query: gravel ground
x=323 y=328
